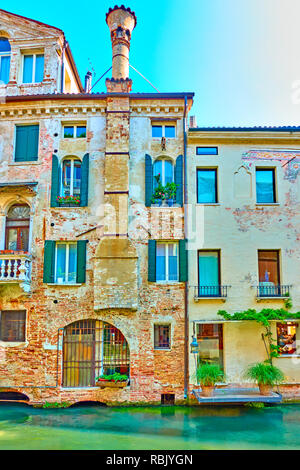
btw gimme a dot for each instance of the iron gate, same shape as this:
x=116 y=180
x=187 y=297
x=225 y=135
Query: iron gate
x=92 y=348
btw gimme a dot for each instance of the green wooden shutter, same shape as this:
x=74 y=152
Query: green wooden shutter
x=49 y=261
x=179 y=180
x=152 y=260
x=148 y=180
x=81 y=261
x=27 y=143
x=84 y=185
x=183 y=261
x=54 y=181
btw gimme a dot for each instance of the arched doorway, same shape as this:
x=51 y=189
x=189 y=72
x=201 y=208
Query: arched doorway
x=92 y=348
x=17 y=228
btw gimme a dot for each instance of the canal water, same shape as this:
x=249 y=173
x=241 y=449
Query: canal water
x=98 y=428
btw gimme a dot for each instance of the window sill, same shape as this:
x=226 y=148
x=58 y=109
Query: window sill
x=66 y=284
x=166 y=283
x=32 y=162
x=290 y=356
x=267 y=204
x=12 y=344
x=62 y=206
x=208 y=204
x=162 y=349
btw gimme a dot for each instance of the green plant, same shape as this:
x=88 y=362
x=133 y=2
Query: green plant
x=265 y=374
x=68 y=199
x=116 y=377
x=288 y=303
x=63 y=404
x=171 y=189
x=163 y=192
x=209 y=374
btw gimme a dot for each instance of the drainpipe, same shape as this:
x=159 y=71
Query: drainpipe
x=186 y=313
x=62 y=68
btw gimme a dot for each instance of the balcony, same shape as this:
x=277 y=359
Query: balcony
x=15 y=268
x=210 y=292
x=270 y=290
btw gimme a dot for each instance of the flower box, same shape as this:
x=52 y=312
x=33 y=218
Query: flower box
x=102 y=383
x=68 y=201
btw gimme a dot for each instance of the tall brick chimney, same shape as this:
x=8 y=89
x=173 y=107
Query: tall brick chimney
x=121 y=22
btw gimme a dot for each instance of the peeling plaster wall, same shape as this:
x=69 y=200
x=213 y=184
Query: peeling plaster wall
x=239 y=227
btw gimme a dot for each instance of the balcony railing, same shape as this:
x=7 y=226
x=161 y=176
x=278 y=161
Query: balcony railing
x=269 y=290
x=16 y=268
x=211 y=292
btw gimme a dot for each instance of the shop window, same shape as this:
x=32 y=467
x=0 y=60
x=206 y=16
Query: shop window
x=210 y=340
x=287 y=338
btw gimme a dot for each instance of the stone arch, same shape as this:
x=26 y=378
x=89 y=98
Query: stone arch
x=242 y=186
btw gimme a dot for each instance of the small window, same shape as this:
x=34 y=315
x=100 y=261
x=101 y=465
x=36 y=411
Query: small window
x=161 y=336
x=168 y=399
x=27 y=143
x=207 y=151
x=74 y=132
x=207 y=186
x=33 y=68
x=167 y=261
x=5 y=52
x=287 y=334
x=13 y=325
x=168 y=131
x=70 y=177
x=265 y=186
x=65 y=263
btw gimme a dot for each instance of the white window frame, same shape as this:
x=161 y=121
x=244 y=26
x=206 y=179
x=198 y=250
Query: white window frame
x=163 y=130
x=75 y=130
x=72 y=159
x=66 y=260
x=168 y=243
x=34 y=54
x=163 y=160
x=5 y=54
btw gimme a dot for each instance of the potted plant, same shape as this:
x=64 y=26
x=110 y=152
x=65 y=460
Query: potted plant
x=171 y=189
x=266 y=376
x=208 y=375
x=160 y=194
x=115 y=380
x=68 y=200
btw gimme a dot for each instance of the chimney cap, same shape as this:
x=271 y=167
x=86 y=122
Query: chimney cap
x=122 y=7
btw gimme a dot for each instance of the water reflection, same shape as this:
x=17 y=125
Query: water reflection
x=154 y=428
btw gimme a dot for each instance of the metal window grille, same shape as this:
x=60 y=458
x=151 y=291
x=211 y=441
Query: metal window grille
x=92 y=348
x=161 y=336
x=13 y=325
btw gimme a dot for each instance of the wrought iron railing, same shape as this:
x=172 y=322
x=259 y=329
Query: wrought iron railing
x=210 y=291
x=264 y=290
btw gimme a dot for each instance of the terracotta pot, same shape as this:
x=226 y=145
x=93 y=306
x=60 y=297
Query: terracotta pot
x=265 y=389
x=207 y=390
x=111 y=384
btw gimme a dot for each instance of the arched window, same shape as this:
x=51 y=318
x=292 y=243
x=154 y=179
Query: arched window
x=17 y=228
x=4 y=60
x=165 y=169
x=92 y=348
x=70 y=177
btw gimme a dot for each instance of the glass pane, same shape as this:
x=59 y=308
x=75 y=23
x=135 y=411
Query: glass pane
x=4 y=69
x=287 y=338
x=12 y=239
x=72 y=263
x=206 y=186
x=207 y=151
x=268 y=267
x=27 y=68
x=265 y=186
x=160 y=262
x=168 y=172
x=210 y=340
x=173 y=264
x=156 y=131
x=60 y=263
x=77 y=178
x=169 y=131
x=24 y=237
x=161 y=337
x=39 y=68
x=66 y=178
x=208 y=273
x=81 y=131
x=157 y=170
x=68 y=132
x=4 y=45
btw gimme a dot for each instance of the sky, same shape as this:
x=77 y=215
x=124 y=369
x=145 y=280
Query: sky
x=241 y=58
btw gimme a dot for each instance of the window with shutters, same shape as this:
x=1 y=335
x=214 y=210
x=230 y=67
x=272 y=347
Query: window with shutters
x=32 y=68
x=13 y=324
x=5 y=52
x=165 y=169
x=166 y=262
x=27 y=143
x=65 y=263
x=70 y=177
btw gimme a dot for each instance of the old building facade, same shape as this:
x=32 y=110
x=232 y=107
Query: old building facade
x=96 y=275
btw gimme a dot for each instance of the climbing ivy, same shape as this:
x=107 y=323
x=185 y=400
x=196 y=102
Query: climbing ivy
x=264 y=317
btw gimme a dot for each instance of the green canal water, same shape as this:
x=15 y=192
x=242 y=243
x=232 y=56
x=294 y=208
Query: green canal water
x=98 y=428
